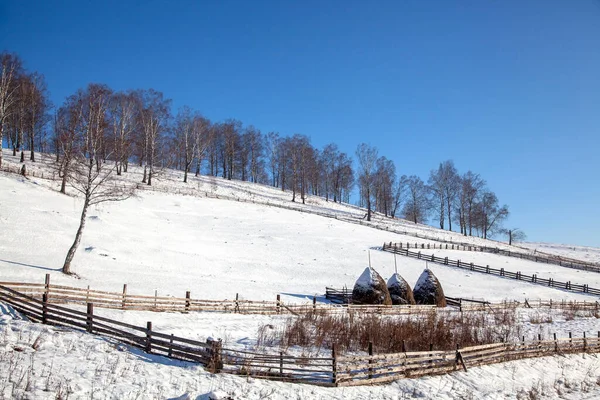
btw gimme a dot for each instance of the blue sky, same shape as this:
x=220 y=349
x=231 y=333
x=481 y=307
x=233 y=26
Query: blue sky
x=508 y=89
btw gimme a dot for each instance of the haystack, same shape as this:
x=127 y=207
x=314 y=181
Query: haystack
x=428 y=290
x=370 y=288
x=400 y=290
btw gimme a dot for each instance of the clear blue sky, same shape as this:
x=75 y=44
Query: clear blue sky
x=509 y=89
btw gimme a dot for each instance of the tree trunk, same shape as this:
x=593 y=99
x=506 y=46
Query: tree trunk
x=63 y=185
x=1 y=139
x=66 y=269
x=32 y=149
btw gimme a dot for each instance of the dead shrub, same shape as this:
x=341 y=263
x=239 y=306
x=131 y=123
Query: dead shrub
x=353 y=331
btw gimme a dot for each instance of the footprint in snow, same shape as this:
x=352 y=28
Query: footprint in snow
x=88 y=249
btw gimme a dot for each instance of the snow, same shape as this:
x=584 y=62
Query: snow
x=257 y=247
x=38 y=361
x=394 y=280
x=425 y=280
x=584 y=253
x=367 y=279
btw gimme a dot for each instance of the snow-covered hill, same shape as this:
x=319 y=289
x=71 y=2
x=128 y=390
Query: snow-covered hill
x=178 y=237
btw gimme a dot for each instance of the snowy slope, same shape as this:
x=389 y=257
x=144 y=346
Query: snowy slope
x=219 y=247
x=584 y=253
x=214 y=248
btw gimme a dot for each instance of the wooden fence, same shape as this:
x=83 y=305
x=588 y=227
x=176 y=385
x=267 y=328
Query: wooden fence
x=533 y=279
x=333 y=370
x=62 y=295
x=344 y=296
x=138 y=336
x=382 y=368
x=548 y=259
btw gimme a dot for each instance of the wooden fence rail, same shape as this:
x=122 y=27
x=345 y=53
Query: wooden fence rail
x=533 y=279
x=62 y=295
x=142 y=337
x=334 y=370
x=546 y=259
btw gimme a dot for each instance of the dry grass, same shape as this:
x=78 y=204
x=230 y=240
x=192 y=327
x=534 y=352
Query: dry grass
x=353 y=331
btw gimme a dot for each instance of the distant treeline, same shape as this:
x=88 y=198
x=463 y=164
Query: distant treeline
x=138 y=126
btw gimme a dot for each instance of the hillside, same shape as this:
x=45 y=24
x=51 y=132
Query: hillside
x=217 y=238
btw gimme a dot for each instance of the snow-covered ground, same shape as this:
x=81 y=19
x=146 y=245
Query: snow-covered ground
x=217 y=248
x=41 y=362
x=184 y=240
x=584 y=253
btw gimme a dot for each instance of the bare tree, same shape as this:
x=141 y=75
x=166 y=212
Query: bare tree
x=514 y=235
x=203 y=134
x=490 y=214
x=37 y=110
x=96 y=185
x=367 y=159
x=123 y=120
x=385 y=176
x=10 y=70
x=417 y=205
x=271 y=145
x=185 y=138
x=471 y=186
x=154 y=114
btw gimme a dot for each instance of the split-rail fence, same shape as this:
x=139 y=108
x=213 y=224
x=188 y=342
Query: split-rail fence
x=330 y=370
x=533 y=279
x=546 y=259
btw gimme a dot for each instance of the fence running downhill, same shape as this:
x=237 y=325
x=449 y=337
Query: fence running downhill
x=533 y=279
x=555 y=260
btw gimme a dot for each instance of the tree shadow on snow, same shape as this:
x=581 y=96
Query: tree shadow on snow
x=30 y=265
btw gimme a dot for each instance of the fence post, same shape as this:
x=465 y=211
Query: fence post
x=278 y=303
x=446 y=260
x=281 y=363
x=570 y=340
x=501 y=271
x=487 y=269
x=314 y=303
x=149 y=337
x=188 y=295
x=90 y=317
x=216 y=361
x=555 y=343
x=237 y=304
x=370 y=360
x=171 y=346
x=124 y=296
x=584 y=342
x=419 y=256
x=333 y=365
x=47 y=285
x=403 y=346
x=44 y=308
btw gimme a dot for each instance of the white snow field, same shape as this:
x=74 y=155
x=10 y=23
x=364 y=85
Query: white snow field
x=584 y=253
x=216 y=248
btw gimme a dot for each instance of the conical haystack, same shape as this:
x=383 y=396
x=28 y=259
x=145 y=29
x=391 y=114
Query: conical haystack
x=428 y=290
x=370 y=288
x=400 y=290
